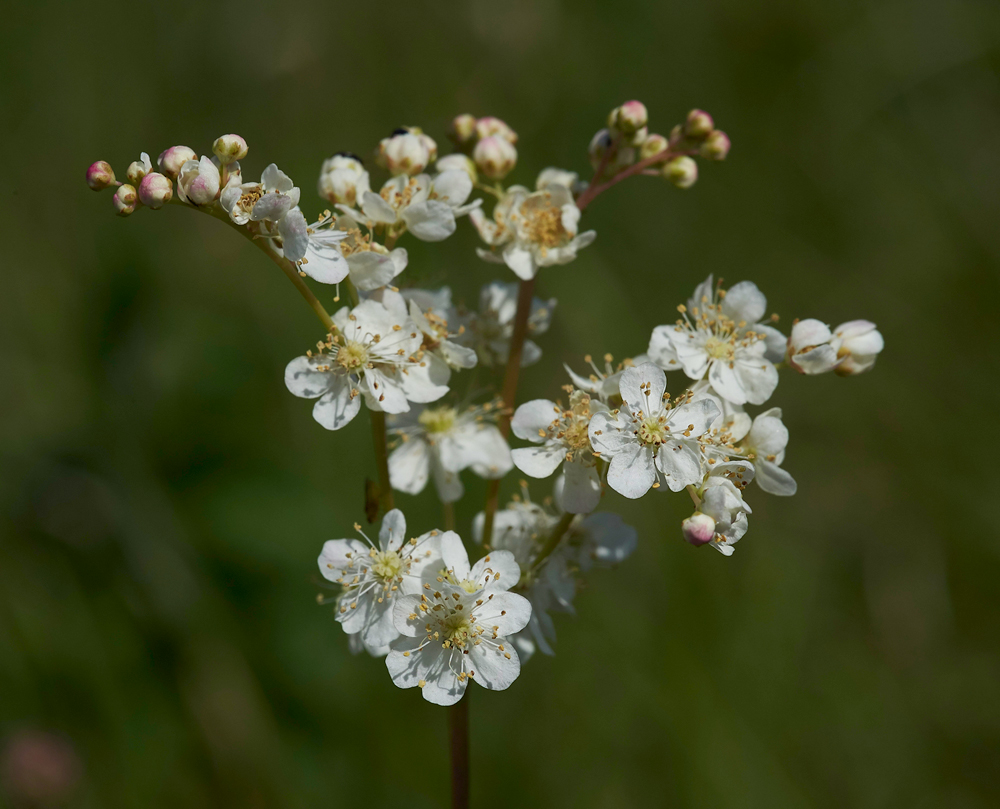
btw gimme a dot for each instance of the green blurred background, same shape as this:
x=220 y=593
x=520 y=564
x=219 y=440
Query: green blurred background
x=164 y=498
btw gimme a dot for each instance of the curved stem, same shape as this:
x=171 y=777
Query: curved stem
x=381 y=459
x=458 y=743
x=593 y=191
x=509 y=393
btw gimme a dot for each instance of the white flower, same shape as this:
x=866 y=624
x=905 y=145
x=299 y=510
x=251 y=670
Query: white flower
x=859 y=343
x=722 y=500
x=848 y=350
x=649 y=442
x=438 y=348
x=343 y=179
x=270 y=199
x=564 y=439
x=490 y=330
x=425 y=207
x=730 y=427
x=199 y=181
x=371 y=265
x=372 y=353
x=719 y=336
x=521 y=528
x=314 y=248
x=532 y=230
x=765 y=446
x=604 y=383
x=456 y=630
x=375 y=578
x=441 y=441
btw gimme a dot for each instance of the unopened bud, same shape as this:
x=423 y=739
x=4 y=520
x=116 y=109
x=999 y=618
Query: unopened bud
x=100 y=175
x=430 y=144
x=125 y=200
x=229 y=148
x=462 y=131
x=698 y=528
x=495 y=157
x=199 y=181
x=155 y=190
x=629 y=118
x=172 y=160
x=681 y=171
x=138 y=169
x=343 y=179
x=716 y=146
x=699 y=124
x=653 y=145
x=458 y=162
x=860 y=343
x=490 y=127
x=403 y=153
x=810 y=349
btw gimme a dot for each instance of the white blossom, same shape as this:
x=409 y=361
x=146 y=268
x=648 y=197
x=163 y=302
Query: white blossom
x=431 y=312
x=722 y=500
x=314 y=248
x=199 y=181
x=650 y=442
x=765 y=446
x=270 y=199
x=371 y=265
x=440 y=442
x=532 y=230
x=604 y=383
x=456 y=629
x=848 y=350
x=374 y=578
x=489 y=331
x=372 y=353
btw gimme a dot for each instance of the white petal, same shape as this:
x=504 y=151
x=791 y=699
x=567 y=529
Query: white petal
x=384 y=392
x=608 y=434
x=448 y=484
x=338 y=555
x=642 y=388
x=499 y=570
x=294 y=235
x=430 y=221
x=758 y=378
x=768 y=436
x=271 y=206
x=533 y=416
x=370 y=270
x=337 y=408
x=773 y=479
x=581 y=491
x=695 y=417
x=744 y=302
x=409 y=466
x=303 y=380
x=377 y=209
x=453 y=187
x=631 y=472
x=661 y=348
x=521 y=261
x=492 y=668
x=539 y=462
x=680 y=462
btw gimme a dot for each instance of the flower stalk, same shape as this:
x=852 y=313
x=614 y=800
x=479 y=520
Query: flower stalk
x=458 y=745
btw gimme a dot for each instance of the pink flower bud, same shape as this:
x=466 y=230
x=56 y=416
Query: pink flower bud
x=629 y=118
x=495 y=157
x=699 y=124
x=681 y=171
x=155 y=190
x=199 y=181
x=698 y=528
x=172 y=160
x=100 y=175
x=653 y=145
x=490 y=127
x=125 y=200
x=229 y=148
x=716 y=146
x=462 y=131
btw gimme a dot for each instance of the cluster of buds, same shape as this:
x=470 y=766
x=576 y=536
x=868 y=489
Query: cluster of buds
x=406 y=151
x=199 y=182
x=848 y=350
x=489 y=142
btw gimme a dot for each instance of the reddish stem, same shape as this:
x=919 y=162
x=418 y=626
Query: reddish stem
x=594 y=190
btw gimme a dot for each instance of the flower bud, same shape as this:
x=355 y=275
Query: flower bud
x=495 y=157
x=653 y=145
x=403 y=153
x=430 y=143
x=629 y=118
x=681 y=171
x=698 y=528
x=125 y=200
x=171 y=160
x=462 y=131
x=490 y=127
x=458 y=162
x=343 y=179
x=699 y=124
x=809 y=348
x=100 y=175
x=716 y=146
x=199 y=181
x=138 y=169
x=859 y=344
x=155 y=190
x=229 y=148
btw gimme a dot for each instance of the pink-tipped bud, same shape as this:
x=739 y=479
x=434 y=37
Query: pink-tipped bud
x=653 y=145
x=698 y=528
x=681 y=171
x=490 y=127
x=173 y=159
x=155 y=190
x=125 y=200
x=100 y=175
x=229 y=148
x=462 y=131
x=716 y=146
x=699 y=124
x=495 y=157
x=629 y=118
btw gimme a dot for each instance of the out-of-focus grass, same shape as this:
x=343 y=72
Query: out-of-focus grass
x=164 y=498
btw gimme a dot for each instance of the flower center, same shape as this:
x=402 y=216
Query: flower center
x=249 y=199
x=438 y=419
x=457 y=628
x=719 y=349
x=577 y=434
x=352 y=356
x=387 y=565
x=545 y=227
x=653 y=432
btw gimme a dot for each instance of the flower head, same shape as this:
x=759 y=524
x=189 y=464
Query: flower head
x=489 y=331
x=270 y=199
x=765 y=446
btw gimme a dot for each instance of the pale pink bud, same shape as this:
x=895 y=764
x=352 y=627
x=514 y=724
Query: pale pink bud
x=681 y=171
x=699 y=124
x=229 y=148
x=653 y=145
x=716 y=146
x=125 y=200
x=462 y=131
x=173 y=159
x=495 y=157
x=403 y=153
x=629 y=118
x=698 y=528
x=100 y=175
x=490 y=127
x=155 y=190
x=199 y=181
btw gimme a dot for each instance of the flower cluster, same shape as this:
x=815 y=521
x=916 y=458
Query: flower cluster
x=446 y=375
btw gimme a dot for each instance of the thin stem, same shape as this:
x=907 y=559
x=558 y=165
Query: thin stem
x=509 y=392
x=694 y=496
x=448 y=510
x=593 y=191
x=458 y=742
x=553 y=541
x=381 y=459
